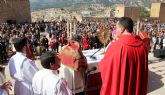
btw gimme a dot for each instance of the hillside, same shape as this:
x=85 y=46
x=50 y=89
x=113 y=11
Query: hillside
x=44 y=4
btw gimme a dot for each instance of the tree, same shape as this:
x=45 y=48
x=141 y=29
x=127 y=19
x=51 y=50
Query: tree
x=144 y=12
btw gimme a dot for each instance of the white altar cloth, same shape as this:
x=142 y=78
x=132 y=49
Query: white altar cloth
x=93 y=61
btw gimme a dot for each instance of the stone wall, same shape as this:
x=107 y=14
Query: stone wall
x=158 y=11
x=155 y=10
x=18 y=10
x=119 y=11
x=133 y=12
x=162 y=13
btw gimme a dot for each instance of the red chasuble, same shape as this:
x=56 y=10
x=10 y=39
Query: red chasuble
x=124 y=68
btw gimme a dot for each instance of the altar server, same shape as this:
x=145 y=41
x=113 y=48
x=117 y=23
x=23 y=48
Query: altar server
x=47 y=81
x=21 y=68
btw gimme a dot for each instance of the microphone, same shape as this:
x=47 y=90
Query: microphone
x=90 y=70
x=92 y=56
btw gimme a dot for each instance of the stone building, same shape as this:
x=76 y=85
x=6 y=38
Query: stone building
x=158 y=11
x=15 y=10
x=133 y=12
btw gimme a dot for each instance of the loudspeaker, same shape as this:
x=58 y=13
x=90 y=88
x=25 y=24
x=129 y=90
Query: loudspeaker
x=159 y=53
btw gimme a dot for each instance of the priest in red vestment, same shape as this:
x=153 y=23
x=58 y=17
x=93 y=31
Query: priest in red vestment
x=124 y=68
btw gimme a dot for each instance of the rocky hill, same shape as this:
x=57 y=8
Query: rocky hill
x=43 y=4
x=51 y=10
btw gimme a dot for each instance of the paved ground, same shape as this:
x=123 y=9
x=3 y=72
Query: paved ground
x=156 y=75
x=156 y=84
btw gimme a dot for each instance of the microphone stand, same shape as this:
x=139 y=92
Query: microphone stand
x=92 y=56
x=86 y=78
x=86 y=82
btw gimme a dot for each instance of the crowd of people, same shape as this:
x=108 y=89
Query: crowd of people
x=86 y=32
x=20 y=40
x=35 y=32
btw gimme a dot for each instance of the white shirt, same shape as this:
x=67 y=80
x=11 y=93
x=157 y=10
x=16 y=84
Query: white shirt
x=22 y=70
x=45 y=82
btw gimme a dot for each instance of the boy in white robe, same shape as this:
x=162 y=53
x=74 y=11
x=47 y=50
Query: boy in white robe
x=21 y=68
x=47 y=81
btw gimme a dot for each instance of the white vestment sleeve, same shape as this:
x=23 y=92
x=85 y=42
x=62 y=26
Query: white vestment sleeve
x=29 y=69
x=62 y=88
x=12 y=69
